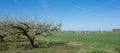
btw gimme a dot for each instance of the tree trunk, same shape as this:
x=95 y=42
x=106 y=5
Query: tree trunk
x=27 y=35
x=1 y=39
x=30 y=39
x=32 y=42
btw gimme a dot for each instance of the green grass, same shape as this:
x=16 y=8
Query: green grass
x=108 y=42
x=111 y=39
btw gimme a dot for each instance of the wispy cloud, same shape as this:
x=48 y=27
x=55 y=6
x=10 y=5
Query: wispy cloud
x=46 y=8
x=77 y=6
x=100 y=6
x=21 y=6
x=94 y=8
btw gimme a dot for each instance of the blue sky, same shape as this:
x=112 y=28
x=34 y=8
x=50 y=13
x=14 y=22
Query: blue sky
x=76 y=15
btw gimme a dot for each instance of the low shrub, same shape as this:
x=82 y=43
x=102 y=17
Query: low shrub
x=3 y=46
x=20 y=45
x=51 y=43
x=97 y=51
x=117 y=49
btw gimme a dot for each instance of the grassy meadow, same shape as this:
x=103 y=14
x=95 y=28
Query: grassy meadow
x=92 y=42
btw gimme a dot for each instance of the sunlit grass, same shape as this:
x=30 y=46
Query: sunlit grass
x=108 y=42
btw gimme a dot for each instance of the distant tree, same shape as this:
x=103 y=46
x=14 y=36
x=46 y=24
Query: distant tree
x=33 y=28
x=116 y=30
